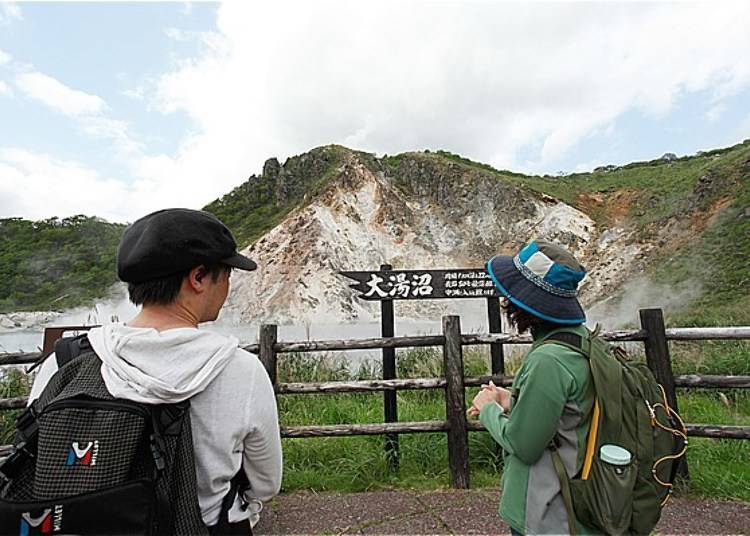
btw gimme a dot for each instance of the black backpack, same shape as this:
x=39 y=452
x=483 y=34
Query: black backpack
x=85 y=462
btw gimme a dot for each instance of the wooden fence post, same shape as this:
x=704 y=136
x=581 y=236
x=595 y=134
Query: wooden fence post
x=497 y=355
x=658 y=360
x=390 y=403
x=496 y=326
x=455 y=404
x=266 y=351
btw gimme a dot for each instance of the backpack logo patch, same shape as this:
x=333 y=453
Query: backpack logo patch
x=47 y=523
x=83 y=456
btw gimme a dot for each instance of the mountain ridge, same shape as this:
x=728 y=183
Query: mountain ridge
x=660 y=212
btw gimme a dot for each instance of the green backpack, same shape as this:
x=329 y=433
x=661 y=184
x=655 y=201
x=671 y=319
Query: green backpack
x=631 y=412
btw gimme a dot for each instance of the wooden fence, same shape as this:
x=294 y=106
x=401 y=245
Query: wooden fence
x=653 y=334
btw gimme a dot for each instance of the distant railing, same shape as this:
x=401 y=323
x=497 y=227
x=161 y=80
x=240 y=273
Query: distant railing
x=653 y=334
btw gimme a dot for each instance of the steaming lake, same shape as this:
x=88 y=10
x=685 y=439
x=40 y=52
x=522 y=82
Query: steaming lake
x=30 y=339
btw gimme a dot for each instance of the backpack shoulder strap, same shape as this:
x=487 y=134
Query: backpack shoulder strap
x=572 y=341
x=68 y=348
x=567 y=496
x=567 y=338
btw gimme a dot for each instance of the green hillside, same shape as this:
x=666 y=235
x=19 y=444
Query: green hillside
x=706 y=196
x=56 y=264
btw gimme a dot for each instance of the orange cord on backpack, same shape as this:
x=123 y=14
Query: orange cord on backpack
x=679 y=433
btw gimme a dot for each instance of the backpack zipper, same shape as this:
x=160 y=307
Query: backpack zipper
x=97 y=404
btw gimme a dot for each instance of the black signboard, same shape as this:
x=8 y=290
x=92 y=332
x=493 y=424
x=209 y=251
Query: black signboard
x=423 y=284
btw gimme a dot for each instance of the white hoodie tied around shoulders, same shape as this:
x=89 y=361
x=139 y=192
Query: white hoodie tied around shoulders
x=232 y=408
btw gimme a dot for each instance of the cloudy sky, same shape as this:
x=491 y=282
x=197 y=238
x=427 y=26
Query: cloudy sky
x=119 y=109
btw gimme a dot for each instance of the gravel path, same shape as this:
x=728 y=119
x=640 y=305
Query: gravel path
x=457 y=512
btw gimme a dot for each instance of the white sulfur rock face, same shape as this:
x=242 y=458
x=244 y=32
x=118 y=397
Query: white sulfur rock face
x=369 y=222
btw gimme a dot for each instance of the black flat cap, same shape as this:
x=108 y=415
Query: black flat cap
x=175 y=240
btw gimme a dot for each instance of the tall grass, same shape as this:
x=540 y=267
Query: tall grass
x=718 y=468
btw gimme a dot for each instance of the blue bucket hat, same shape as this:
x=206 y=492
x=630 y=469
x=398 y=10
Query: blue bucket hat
x=541 y=279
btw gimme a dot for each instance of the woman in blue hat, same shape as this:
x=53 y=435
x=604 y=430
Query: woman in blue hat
x=552 y=397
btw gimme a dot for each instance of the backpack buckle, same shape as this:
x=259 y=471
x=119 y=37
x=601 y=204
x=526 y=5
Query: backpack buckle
x=157 y=454
x=27 y=424
x=13 y=464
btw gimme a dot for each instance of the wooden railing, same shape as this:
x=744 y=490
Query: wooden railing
x=653 y=334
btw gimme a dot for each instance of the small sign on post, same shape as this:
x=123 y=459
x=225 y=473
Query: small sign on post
x=423 y=284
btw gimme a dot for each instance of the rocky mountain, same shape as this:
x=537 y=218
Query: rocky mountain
x=365 y=218
x=437 y=210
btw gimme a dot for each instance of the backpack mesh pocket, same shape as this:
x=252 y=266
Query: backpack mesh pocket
x=88 y=445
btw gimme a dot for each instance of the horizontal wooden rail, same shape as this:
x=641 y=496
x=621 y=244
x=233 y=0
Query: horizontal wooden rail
x=383 y=385
x=689 y=380
x=19 y=358
x=701 y=334
x=359 y=386
x=712 y=381
x=694 y=430
x=343 y=430
x=375 y=343
x=13 y=403
x=337 y=430
x=718 y=431
x=674 y=334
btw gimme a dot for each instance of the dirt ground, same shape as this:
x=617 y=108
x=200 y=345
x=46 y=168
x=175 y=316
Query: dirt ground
x=457 y=512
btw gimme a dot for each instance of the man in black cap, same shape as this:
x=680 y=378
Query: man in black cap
x=553 y=394
x=177 y=264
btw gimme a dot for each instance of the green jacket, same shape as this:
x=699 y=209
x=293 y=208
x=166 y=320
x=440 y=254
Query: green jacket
x=553 y=394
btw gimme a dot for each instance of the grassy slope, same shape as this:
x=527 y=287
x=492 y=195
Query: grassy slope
x=718 y=468
x=56 y=264
x=654 y=192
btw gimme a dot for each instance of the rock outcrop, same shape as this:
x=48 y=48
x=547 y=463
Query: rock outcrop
x=422 y=212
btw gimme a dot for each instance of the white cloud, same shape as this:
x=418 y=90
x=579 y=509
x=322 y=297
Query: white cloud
x=32 y=184
x=58 y=96
x=483 y=79
x=4 y=57
x=38 y=186
x=5 y=90
x=88 y=111
x=9 y=11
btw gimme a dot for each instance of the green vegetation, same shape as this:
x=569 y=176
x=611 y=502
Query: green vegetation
x=717 y=260
x=262 y=202
x=55 y=264
x=13 y=383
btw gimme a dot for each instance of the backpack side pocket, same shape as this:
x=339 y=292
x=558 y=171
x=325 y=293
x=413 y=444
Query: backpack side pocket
x=605 y=499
